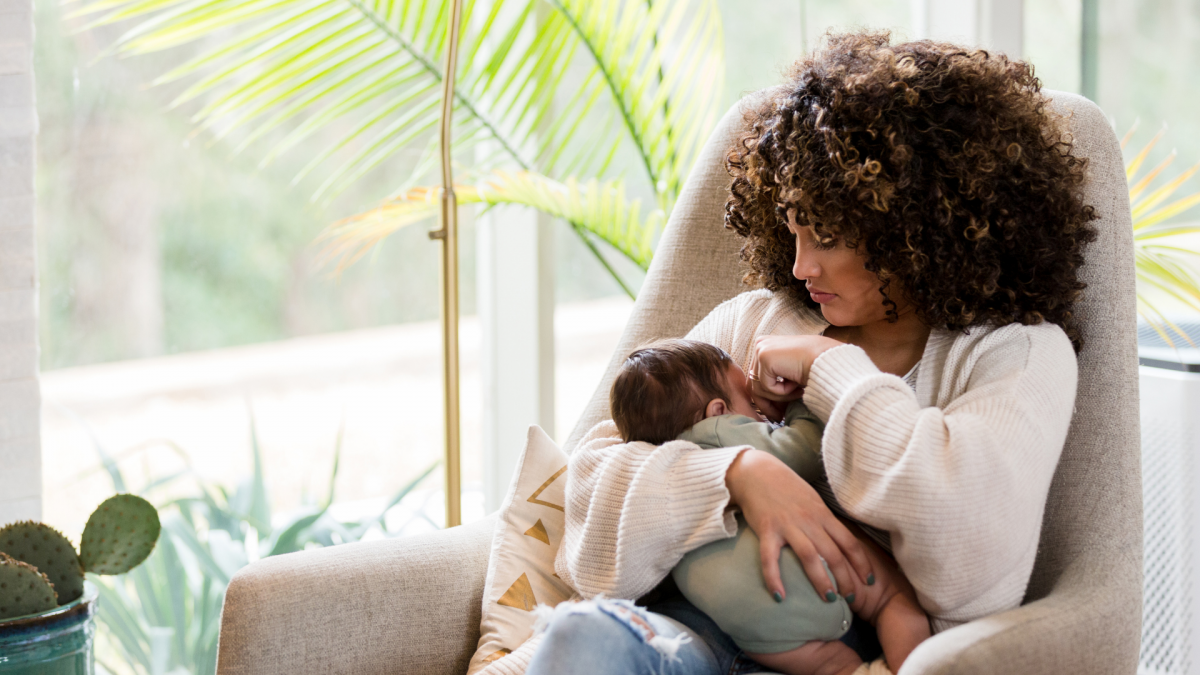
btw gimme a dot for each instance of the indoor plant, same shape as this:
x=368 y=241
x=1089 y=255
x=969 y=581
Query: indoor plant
x=356 y=83
x=47 y=608
x=1164 y=263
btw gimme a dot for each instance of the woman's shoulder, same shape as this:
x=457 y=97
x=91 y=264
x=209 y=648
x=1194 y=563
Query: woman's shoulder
x=1038 y=337
x=747 y=301
x=762 y=306
x=1014 y=350
x=735 y=323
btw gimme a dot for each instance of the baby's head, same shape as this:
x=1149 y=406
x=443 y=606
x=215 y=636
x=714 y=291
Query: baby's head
x=669 y=385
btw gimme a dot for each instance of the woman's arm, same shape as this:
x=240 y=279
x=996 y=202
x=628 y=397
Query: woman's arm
x=961 y=485
x=634 y=509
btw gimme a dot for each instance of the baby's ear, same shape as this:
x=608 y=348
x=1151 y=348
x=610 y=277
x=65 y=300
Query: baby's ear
x=716 y=407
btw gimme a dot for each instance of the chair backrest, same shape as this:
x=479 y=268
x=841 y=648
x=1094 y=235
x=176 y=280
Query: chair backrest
x=1093 y=522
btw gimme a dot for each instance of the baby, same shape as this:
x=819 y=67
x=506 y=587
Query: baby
x=693 y=391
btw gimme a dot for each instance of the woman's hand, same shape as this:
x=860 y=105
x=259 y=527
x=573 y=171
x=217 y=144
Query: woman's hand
x=784 y=510
x=779 y=364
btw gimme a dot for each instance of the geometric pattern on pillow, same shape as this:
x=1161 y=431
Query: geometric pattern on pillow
x=528 y=532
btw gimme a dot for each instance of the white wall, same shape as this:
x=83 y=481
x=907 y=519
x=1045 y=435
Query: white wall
x=20 y=402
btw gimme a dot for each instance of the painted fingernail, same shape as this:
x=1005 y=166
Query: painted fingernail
x=778 y=596
x=830 y=596
x=850 y=599
x=871 y=579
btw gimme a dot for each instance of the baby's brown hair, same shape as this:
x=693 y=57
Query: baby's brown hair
x=664 y=387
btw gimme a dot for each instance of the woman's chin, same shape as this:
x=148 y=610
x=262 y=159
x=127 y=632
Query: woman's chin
x=834 y=317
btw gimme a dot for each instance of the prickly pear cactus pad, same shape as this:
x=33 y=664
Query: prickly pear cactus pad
x=119 y=535
x=23 y=589
x=49 y=551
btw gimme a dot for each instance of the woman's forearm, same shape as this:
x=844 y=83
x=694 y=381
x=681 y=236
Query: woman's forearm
x=633 y=510
x=963 y=487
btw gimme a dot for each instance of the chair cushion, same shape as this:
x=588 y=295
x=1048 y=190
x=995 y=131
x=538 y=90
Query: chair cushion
x=520 y=572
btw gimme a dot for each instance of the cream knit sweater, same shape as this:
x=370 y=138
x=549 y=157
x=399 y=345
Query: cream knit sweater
x=958 y=471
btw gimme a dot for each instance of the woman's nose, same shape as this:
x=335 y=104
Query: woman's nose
x=805 y=267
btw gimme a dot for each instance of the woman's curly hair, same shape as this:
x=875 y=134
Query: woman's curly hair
x=943 y=165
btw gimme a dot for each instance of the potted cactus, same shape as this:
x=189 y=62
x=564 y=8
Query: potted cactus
x=47 y=608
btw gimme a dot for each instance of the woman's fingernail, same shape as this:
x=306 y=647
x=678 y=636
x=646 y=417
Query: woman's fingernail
x=850 y=599
x=830 y=596
x=871 y=579
x=778 y=596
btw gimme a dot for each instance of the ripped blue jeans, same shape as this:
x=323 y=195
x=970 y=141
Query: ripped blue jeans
x=616 y=637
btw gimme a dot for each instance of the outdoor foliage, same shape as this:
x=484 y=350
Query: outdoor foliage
x=1163 y=263
x=555 y=88
x=165 y=615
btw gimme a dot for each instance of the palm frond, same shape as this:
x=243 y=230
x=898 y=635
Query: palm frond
x=1167 y=269
x=297 y=67
x=315 y=62
x=357 y=82
x=1142 y=206
x=663 y=63
x=1138 y=188
x=596 y=209
x=1168 y=230
x=1169 y=211
x=1131 y=167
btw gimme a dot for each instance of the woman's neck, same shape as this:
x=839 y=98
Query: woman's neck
x=894 y=347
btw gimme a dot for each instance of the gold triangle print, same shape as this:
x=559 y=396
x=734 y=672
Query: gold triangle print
x=533 y=498
x=519 y=595
x=538 y=531
x=497 y=655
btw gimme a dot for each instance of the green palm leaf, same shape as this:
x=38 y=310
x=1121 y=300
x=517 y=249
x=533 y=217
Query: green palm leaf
x=661 y=61
x=356 y=82
x=1169 y=270
x=597 y=210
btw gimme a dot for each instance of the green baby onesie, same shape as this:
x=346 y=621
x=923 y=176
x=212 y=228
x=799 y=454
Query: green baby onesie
x=724 y=578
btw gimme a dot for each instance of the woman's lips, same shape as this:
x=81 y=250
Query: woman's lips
x=820 y=297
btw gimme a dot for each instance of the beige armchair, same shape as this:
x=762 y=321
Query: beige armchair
x=413 y=605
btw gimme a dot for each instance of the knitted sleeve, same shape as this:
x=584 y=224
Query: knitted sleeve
x=634 y=509
x=961 y=485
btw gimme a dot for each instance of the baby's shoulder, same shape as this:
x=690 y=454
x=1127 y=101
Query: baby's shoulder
x=723 y=431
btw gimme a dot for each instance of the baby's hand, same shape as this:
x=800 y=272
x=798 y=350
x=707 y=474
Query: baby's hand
x=779 y=364
x=772 y=410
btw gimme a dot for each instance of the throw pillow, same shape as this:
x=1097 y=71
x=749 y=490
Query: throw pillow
x=520 y=572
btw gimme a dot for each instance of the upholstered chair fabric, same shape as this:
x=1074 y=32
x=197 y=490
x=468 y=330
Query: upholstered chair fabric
x=413 y=605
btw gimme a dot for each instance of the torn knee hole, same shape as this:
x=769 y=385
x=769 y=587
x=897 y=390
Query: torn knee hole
x=625 y=613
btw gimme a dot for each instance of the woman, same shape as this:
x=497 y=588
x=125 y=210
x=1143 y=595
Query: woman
x=913 y=214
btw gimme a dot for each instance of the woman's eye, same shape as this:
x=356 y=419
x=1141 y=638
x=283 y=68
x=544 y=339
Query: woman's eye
x=824 y=244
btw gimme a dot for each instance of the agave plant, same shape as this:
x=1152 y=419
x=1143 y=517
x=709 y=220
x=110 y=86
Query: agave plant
x=164 y=616
x=1163 y=263
x=555 y=88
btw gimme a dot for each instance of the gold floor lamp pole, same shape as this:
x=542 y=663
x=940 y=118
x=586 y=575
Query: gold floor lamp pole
x=448 y=234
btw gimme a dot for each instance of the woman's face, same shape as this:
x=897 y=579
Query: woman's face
x=835 y=277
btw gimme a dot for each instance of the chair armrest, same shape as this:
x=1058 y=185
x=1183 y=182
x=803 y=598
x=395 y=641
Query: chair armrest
x=408 y=605
x=1052 y=636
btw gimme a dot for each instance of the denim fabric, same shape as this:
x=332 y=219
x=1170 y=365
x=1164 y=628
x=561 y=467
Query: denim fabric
x=616 y=637
x=730 y=658
x=671 y=637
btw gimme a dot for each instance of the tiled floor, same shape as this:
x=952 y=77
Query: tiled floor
x=158 y=416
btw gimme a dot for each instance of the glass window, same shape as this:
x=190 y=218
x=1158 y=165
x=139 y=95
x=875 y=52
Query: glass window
x=183 y=298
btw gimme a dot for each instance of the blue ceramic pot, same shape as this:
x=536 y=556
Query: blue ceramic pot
x=56 y=642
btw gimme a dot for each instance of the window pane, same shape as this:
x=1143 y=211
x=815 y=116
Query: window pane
x=764 y=37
